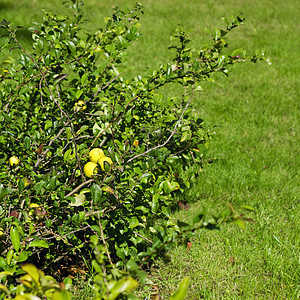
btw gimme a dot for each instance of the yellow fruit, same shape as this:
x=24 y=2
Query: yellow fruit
x=90 y=169
x=105 y=163
x=34 y=212
x=95 y=154
x=13 y=161
x=2 y=234
x=79 y=106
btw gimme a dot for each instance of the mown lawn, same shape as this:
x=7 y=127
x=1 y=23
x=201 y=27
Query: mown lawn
x=256 y=146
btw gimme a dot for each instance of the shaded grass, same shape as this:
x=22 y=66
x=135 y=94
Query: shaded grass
x=256 y=147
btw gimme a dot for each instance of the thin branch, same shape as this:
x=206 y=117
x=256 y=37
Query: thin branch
x=41 y=158
x=143 y=237
x=104 y=242
x=79 y=187
x=170 y=136
x=42 y=73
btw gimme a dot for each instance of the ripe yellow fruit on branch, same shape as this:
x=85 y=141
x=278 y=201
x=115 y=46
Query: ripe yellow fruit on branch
x=90 y=169
x=95 y=154
x=13 y=161
x=79 y=106
x=105 y=163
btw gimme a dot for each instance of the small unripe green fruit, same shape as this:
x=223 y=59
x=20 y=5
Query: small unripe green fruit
x=105 y=163
x=13 y=161
x=95 y=154
x=90 y=169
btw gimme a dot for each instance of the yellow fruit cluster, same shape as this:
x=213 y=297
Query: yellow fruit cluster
x=97 y=158
x=79 y=106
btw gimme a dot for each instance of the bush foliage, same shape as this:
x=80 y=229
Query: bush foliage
x=67 y=96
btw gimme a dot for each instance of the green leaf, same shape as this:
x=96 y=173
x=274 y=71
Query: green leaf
x=133 y=222
x=185 y=67
x=154 y=205
x=145 y=177
x=167 y=186
x=142 y=276
x=71 y=46
x=48 y=124
x=79 y=93
x=27 y=142
x=96 y=193
x=94 y=238
x=68 y=133
x=123 y=285
x=250 y=208
x=23 y=256
x=53 y=183
x=181 y=292
x=121 y=42
x=217 y=34
x=144 y=209
x=166 y=211
x=15 y=238
x=83 y=128
x=68 y=283
x=79 y=200
x=2 y=262
x=121 y=254
x=97 y=229
x=240 y=223
x=3 y=288
x=83 y=78
x=9 y=256
x=40 y=187
x=170 y=186
x=61 y=295
x=96 y=129
x=237 y=52
x=32 y=270
x=4 y=274
x=156 y=243
x=168 y=71
x=132 y=265
x=21 y=185
x=67 y=154
x=38 y=243
x=184 y=136
x=4 y=191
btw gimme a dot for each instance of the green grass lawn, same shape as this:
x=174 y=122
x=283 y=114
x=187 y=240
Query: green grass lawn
x=256 y=145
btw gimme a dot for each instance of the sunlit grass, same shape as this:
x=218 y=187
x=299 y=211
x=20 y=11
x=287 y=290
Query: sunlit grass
x=256 y=146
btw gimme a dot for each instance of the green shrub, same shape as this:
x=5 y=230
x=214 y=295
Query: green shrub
x=67 y=96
